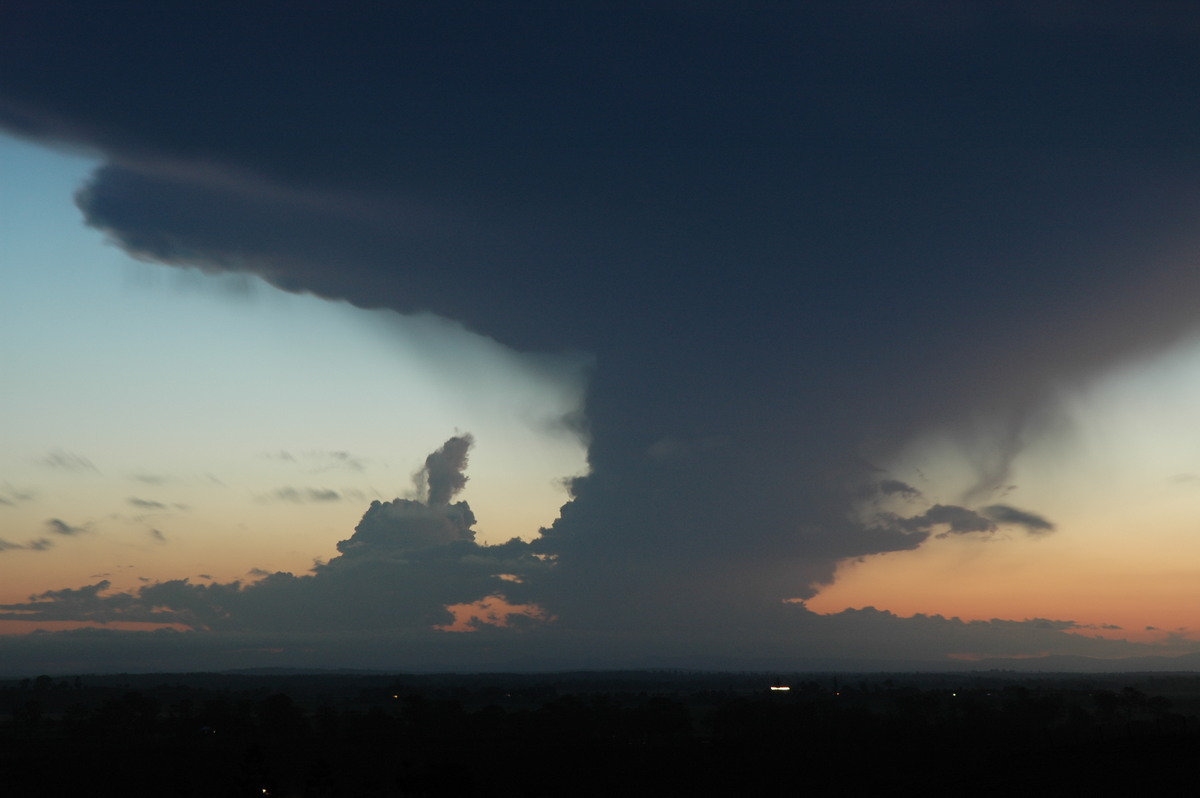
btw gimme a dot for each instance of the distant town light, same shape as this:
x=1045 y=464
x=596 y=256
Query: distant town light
x=780 y=688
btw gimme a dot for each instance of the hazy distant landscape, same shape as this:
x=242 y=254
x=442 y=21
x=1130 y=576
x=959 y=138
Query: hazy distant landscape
x=650 y=732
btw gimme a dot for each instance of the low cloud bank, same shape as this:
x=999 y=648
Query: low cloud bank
x=405 y=565
x=411 y=577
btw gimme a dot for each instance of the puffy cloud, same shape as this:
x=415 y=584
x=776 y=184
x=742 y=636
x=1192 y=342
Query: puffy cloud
x=406 y=565
x=408 y=524
x=444 y=470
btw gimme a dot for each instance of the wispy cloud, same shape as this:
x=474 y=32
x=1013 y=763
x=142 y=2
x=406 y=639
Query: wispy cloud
x=61 y=527
x=316 y=461
x=306 y=495
x=1032 y=523
x=68 y=461
x=37 y=544
x=11 y=496
x=146 y=504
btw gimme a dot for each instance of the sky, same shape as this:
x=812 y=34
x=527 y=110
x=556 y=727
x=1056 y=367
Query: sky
x=853 y=335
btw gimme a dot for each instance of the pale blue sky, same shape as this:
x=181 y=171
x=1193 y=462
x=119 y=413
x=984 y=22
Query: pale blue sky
x=234 y=406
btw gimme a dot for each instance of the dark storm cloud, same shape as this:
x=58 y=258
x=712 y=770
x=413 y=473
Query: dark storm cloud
x=894 y=487
x=383 y=602
x=866 y=639
x=786 y=233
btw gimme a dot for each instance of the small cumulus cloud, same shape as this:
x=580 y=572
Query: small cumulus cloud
x=158 y=535
x=445 y=469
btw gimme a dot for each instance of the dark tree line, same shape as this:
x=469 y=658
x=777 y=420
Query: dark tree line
x=698 y=734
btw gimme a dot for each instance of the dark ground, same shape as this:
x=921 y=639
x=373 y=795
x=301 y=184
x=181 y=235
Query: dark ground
x=584 y=734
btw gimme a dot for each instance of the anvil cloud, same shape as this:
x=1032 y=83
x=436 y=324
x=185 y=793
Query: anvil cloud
x=793 y=239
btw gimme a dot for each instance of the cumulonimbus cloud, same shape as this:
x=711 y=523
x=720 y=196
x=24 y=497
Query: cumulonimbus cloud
x=770 y=277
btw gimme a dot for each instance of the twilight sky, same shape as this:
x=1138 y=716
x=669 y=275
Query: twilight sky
x=839 y=334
